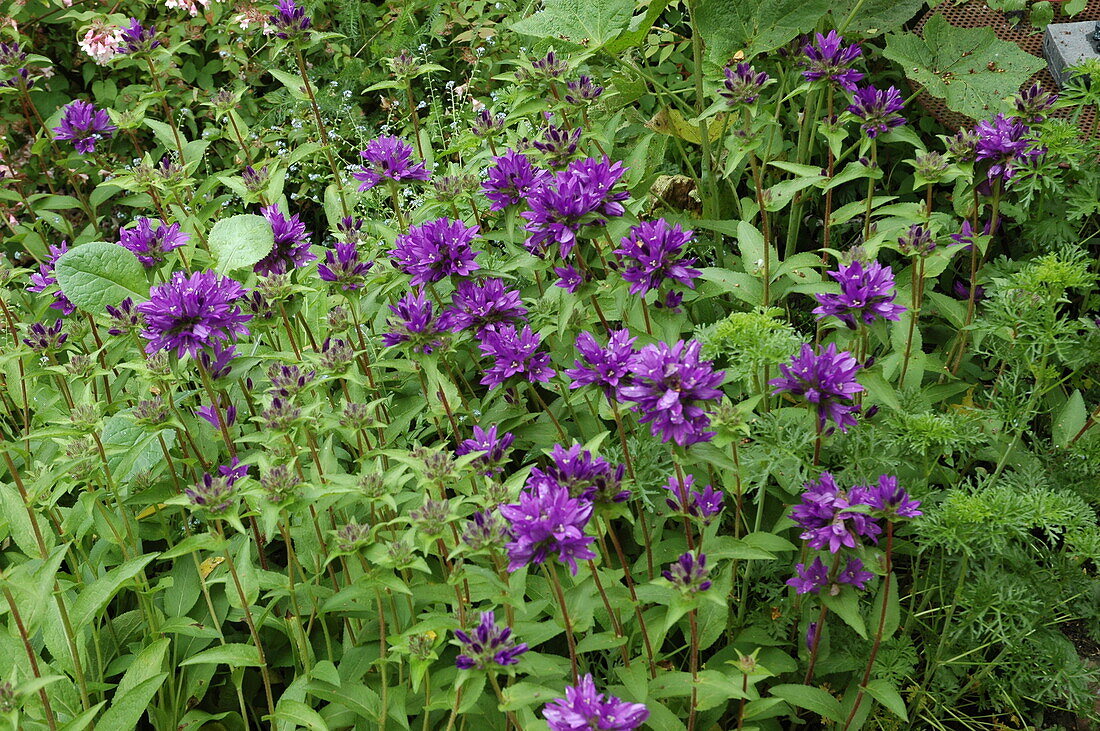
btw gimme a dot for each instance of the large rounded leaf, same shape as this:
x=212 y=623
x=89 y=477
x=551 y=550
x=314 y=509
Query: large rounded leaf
x=98 y=274
x=240 y=241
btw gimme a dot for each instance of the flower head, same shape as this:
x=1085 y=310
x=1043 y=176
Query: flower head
x=290 y=19
x=150 y=243
x=191 y=313
x=584 y=708
x=436 y=250
x=702 y=504
x=1033 y=103
x=670 y=387
x=515 y=352
x=493 y=447
x=827 y=519
x=136 y=38
x=865 y=293
x=344 y=267
x=917 y=241
x=582 y=91
x=45 y=279
x=651 y=253
x=743 y=84
x=547 y=521
x=569 y=278
x=558 y=144
x=216 y=493
x=476 y=305
x=609 y=368
x=583 y=474
x=581 y=195
x=891 y=500
x=42 y=338
x=13 y=59
x=828 y=59
x=826 y=378
x=854 y=574
x=388 y=158
x=485 y=531
x=84 y=125
x=510 y=179
x=1007 y=144
x=102 y=41
x=489 y=647
x=809 y=579
x=125 y=318
x=878 y=109
x=415 y=323
x=291 y=249
x=689 y=573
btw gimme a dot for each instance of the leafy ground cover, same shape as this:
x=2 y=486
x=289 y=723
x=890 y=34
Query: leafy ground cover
x=572 y=365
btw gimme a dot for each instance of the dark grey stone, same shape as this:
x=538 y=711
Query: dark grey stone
x=1067 y=44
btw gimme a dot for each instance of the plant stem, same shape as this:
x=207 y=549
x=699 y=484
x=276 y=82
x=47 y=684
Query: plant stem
x=552 y=573
x=322 y=132
x=886 y=584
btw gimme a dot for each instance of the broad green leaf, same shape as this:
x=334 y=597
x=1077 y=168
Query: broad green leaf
x=300 y=714
x=812 y=699
x=128 y=708
x=874 y=17
x=753 y=26
x=969 y=68
x=19 y=524
x=96 y=594
x=846 y=606
x=131 y=448
x=589 y=23
x=98 y=274
x=292 y=82
x=527 y=695
x=1071 y=419
x=638 y=29
x=147 y=664
x=240 y=241
x=888 y=696
x=84 y=720
x=232 y=654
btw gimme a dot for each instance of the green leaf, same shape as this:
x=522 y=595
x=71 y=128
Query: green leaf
x=753 y=26
x=131 y=447
x=232 y=654
x=96 y=594
x=527 y=695
x=84 y=720
x=128 y=708
x=292 y=82
x=589 y=23
x=874 y=17
x=639 y=28
x=812 y=699
x=888 y=696
x=98 y=274
x=1071 y=419
x=300 y=714
x=599 y=641
x=240 y=241
x=846 y=606
x=969 y=68
x=147 y=664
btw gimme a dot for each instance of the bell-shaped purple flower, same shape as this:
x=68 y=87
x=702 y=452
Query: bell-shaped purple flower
x=877 y=109
x=825 y=378
x=609 y=368
x=388 y=158
x=514 y=352
x=866 y=293
x=436 y=250
x=547 y=521
x=584 y=708
x=84 y=126
x=828 y=59
x=489 y=647
x=651 y=255
x=192 y=313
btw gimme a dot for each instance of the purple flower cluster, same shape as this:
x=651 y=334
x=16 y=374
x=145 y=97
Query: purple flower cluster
x=13 y=57
x=514 y=352
x=84 y=126
x=388 y=159
x=344 y=267
x=215 y=494
x=43 y=338
x=291 y=249
x=477 y=305
x=193 y=313
x=289 y=20
x=825 y=378
x=651 y=254
x=865 y=294
x=1007 y=144
x=815 y=577
x=609 y=368
x=670 y=387
x=1033 y=103
x=689 y=573
x=489 y=647
x=493 y=447
x=582 y=91
x=436 y=250
x=743 y=84
x=136 y=38
x=878 y=109
x=149 y=243
x=827 y=519
x=584 y=475
x=415 y=324
x=702 y=504
x=44 y=279
x=828 y=59
x=585 y=708
x=581 y=195
x=546 y=521
x=510 y=179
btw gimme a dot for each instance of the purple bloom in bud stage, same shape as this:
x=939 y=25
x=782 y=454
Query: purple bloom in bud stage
x=743 y=84
x=289 y=20
x=288 y=380
x=689 y=574
x=582 y=91
x=827 y=379
x=963 y=144
x=344 y=267
x=581 y=195
x=84 y=125
x=704 y=504
x=584 y=708
x=515 y=352
x=476 y=305
x=670 y=387
x=828 y=59
x=962 y=291
x=586 y=476
x=191 y=313
x=493 y=447
x=1033 y=103
x=490 y=646
x=510 y=179
x=44 y=279
x=608 y=368
x=549 y=66
x=809 y=579
x=228 y=412
x=827 y=519
x=891 y=500
x=1007 y=144
x=811 y=635
x=917 y=241
x=569 y=278
x=651 y=254
x=558 y=144
x=415 y=324
x=547 y=521
x=671 y=301
x=878 y=109
x=865 y=293
x=291 y=248
x=14 y=58
x=387 y=158
x=216 y=494
x=485 y=531
x=150 y=244
x=855 y=575
x=125 y=318
x=217 y=362
x=43 y=338
x=436 y=250
x=255 y=180
x=138 y=39
x=486 y=124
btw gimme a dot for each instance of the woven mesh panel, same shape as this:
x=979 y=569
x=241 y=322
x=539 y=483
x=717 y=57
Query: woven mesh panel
x=975 y=14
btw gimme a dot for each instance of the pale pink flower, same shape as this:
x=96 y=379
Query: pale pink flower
x=191 y=6
x=102 y=41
